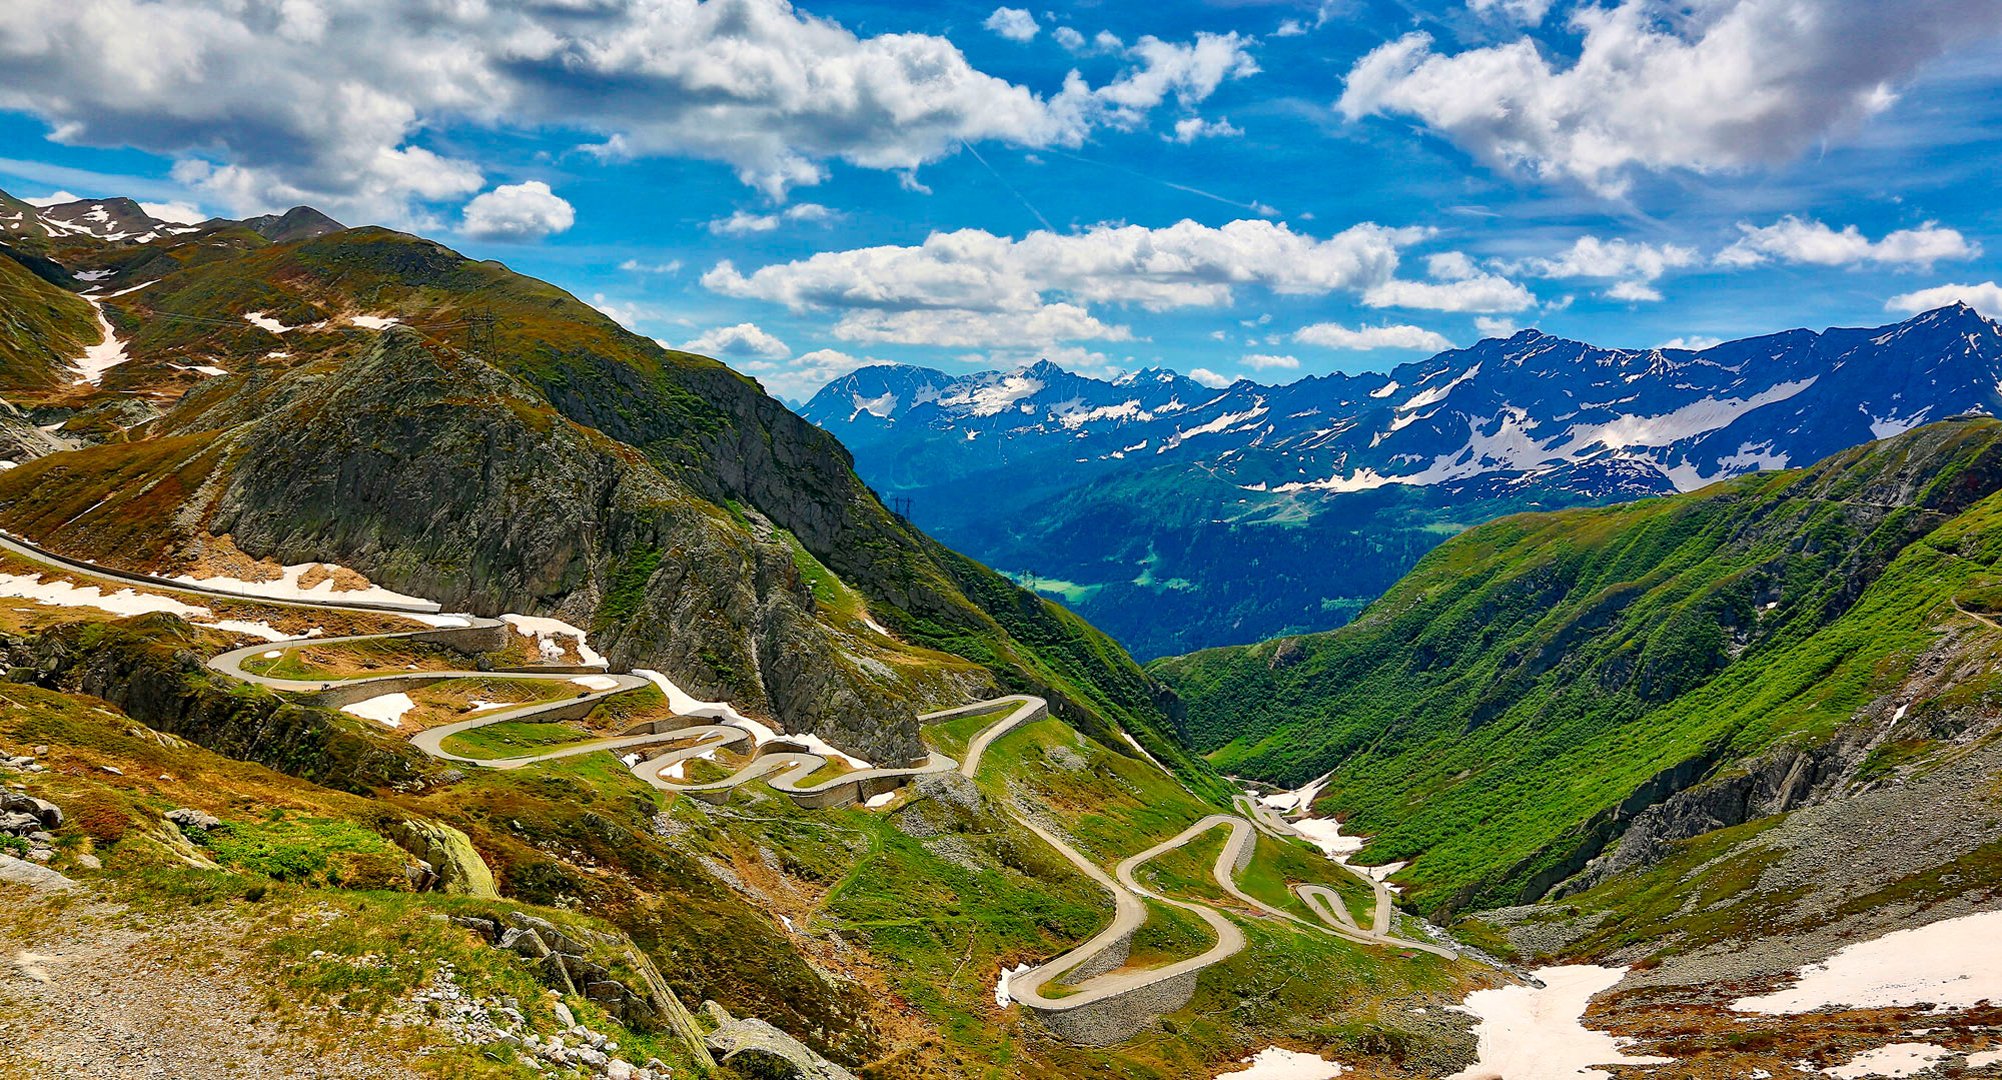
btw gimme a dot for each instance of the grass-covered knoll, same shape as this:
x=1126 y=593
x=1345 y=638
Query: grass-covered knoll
x=1489 y=714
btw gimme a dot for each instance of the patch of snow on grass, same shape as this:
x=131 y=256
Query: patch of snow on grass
x=1290 y=802
x=596 y=682
x=287 y=587
x=683 y=705
x=816 y=744
x=1951 y=964
x=478 y=705
x=1326 y=834
x=266 y=322
x=104 y=355
x=57 y=593
x=1001 y=995
x=1276 y=1063
x=271 y=655
x=373 y=322
x=258 y=629
x=1135 y=744
x=546 y=630
x=877 y=802
x=441 y=620
x=1897 y=1059
x=387 y=709
x=1985 y=1057
x=1532 y=1034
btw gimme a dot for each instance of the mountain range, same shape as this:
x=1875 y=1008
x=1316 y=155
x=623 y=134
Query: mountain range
x=1177 y=515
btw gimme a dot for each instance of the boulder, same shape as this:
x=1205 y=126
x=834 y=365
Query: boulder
x=760 y=1051
x=193 y=820
x=15 y=871
x=47 y=813
x=452 y=856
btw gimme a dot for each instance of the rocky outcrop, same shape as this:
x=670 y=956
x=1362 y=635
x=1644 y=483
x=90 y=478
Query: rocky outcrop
x=760 y=1051
x=439 y=475
x=451 y=856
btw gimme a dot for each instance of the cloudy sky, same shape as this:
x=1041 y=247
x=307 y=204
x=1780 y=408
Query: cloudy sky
x=1265 y=188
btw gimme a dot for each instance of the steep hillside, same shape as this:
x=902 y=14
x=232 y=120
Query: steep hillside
x=1502 y=716
x=722 y=539
x=1179 y=516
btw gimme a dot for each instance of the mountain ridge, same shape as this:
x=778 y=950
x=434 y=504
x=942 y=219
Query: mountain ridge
x=1026 y=468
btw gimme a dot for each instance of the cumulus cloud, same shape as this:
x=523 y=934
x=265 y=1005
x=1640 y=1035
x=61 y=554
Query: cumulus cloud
x=1985 y=298
x=1800 y=240
x=799 y=378
x=1636 y=292
x=1713 y=86
x=1456 y=285
x=1211 y=379
x=1492 y=326
x=1694 y=343
x=180 y=213
x=635 y=266
x=269 y=105
x=1190 y=128
x=525 y=211
x=1364 y=338
x=957 y=286
x=741 y=340
x=741 y=222
x=1592 y=257
x=1268 y=362
x=1015 y=24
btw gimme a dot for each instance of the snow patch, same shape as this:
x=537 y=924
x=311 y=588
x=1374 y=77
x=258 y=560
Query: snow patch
x=103 y=356
x=287 y=587
x=545 y=631
x=877 y=802
x=373 y=322
x=1951 y=964
x=1897 y=1059
x=1539 y=1034
x=1001 y=996
x=1276 y=1063
x=386 y=709
x=258 y=629
x=58 y=593
x=596 y=682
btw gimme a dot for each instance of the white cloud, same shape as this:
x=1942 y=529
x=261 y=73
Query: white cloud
x=1363 y=338
x=1529 y=12
x=802 y=376
x=1456 y=285
x=270 y=105
x=968 y=286
x=626 y=313
x=1490 y=326
x=1289 y=28
x=1190 y=128
x=1209 y=378
x=741 y=340
x=1015 y=24
x=1268 y=362
x=741 y=222
x=54 y=198
x=1801 y=240
x=180 y=213
x=1591 y=257
x=1985 y=298
x=1068 y=38
x=1636 y=292
x=961 y=328
x=1694 y=343
x=1712 y=86
x=526 y=211
x=635 y=266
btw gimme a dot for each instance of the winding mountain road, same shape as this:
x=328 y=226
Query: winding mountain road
x=1102 y=999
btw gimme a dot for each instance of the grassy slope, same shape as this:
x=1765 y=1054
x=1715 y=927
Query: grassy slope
x=1529 y=676
x=42 y=329
x=698 y=421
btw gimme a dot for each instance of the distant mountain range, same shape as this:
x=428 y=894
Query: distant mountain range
x=1179 y=516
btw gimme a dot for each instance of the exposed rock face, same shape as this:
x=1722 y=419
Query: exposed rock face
x=15 y=871
x=439 y=475
x=452 y=857
x=760 y=1051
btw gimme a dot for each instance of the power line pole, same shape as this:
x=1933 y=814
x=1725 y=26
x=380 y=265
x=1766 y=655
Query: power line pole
x=480 y=332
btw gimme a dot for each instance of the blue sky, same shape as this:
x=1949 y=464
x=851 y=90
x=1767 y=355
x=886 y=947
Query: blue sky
x=1265 y=189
